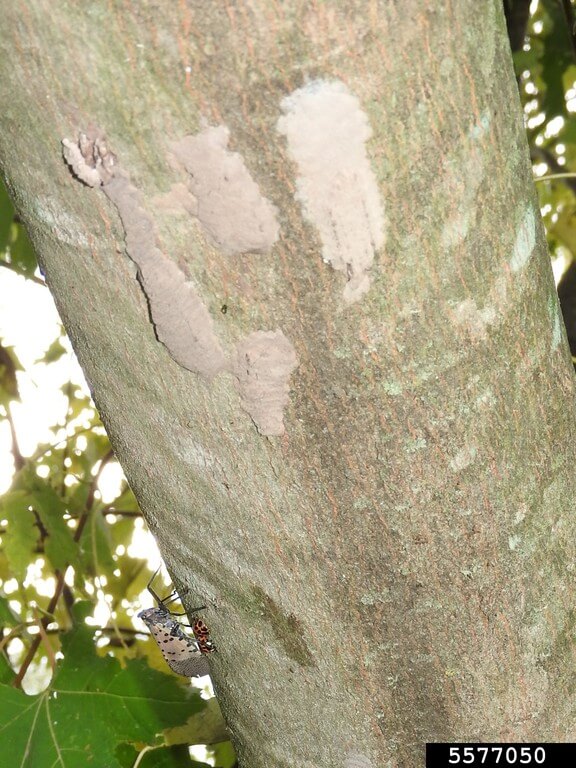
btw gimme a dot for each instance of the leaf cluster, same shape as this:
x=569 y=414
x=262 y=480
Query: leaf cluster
x=545 y=64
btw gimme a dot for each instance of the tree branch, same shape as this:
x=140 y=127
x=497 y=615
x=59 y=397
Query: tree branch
x=559 y=171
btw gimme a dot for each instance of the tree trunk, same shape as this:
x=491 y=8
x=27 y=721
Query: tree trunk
x=339 y=387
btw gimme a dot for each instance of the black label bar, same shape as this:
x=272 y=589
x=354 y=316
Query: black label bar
x=468 y=755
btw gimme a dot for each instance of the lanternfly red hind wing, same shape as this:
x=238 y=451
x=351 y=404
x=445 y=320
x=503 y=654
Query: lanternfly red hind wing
x=202 y=635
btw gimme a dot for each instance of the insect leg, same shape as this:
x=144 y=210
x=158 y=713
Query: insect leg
x=149 y=587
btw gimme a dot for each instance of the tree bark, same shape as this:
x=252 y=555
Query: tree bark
x=397 y=566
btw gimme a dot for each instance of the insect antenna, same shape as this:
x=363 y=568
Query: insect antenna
x=149 y=587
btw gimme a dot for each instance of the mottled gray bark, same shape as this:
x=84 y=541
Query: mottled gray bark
x=397 y=567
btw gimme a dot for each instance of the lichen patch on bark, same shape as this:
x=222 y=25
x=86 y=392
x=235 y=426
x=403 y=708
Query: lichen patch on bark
x=358 y=760
x=287 y=628
x=463 y=174
x=476 y=321
x=326 y=131
x=481 y=127
x=465 y=456
x=555 y=315
x=525 y=240
x=234 y=213
x=263 y=364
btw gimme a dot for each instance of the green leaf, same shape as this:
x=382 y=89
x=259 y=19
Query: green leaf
x=79 y=405
x=552 y=46
x=15 y=246
x=9 y=364
x=21 y=251
x=134 y=573
x=96 y=545
x=91 y=707
x=59 y=546
x=51 y=458
x=21 y=537
x=54 y=352
x=6 y=671
x=97 y=446
x=528 y=59
x=205 y=727
x=126 y=501
x=77 y=494
x=8 y=618
x=224 y=754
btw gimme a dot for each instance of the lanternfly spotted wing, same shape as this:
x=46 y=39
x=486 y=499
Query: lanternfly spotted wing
x=184 y=655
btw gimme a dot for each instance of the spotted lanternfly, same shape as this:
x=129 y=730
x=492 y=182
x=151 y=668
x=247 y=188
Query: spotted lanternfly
x=184 y=655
